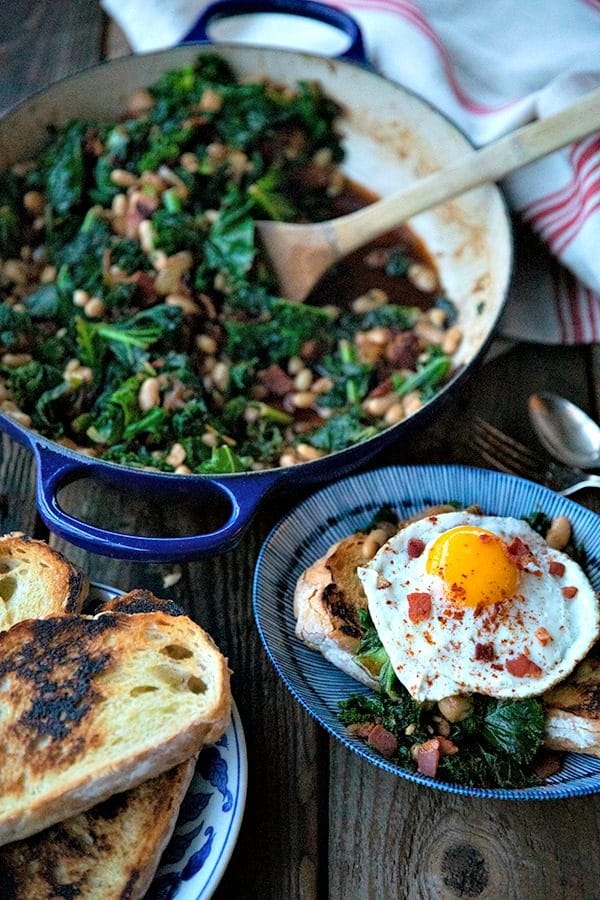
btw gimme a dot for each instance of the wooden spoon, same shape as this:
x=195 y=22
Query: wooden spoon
x=300 y=254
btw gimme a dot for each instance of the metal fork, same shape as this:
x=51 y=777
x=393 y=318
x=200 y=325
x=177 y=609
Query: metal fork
x=504 y=453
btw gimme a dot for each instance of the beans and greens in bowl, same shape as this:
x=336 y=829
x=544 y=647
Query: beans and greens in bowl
x=140 y=322
x=476 y=633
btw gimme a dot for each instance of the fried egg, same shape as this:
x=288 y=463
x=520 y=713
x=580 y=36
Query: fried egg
x=466 y=603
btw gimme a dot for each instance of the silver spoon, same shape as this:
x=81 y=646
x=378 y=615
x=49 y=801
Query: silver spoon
x=565 y=430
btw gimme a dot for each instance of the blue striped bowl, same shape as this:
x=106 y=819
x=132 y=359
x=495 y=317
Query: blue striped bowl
x=307 y=532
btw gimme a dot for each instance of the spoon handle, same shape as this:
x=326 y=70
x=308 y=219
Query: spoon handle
x=491 y=163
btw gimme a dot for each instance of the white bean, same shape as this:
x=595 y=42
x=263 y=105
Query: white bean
x=378 y=406
x=176 y=455
x=123 y=178
x=559 y=533
x=149 y=394
x=394 y=414
x=303 y=380
x=455 y=708
x=451 y=340
x=303 y=399
x=94 y=308
x=369 y=548
x=307 y=453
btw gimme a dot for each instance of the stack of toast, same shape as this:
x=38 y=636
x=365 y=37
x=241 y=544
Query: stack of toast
x=101 y=720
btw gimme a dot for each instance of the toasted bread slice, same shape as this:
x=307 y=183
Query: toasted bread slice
x=110 y=852
x=140 y=601
x=329 y=596
x=94 y=705
x=36 y=581
x=573 y=711
x=327 y=600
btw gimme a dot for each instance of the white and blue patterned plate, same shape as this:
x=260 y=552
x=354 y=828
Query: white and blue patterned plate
x=308 y=531
x=210 y=816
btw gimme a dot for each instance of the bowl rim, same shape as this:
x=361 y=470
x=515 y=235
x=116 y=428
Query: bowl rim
x=563 y=791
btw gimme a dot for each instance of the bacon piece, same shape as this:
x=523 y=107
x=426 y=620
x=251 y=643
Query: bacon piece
x=311 y=350
x=145 y=286
x=556 y=568
x=428 y=757
x=519 y=553
x=485 y=652
x=276 y=381
x=415 y=547
x=543 y=636
x=447 y=747
x=383 y=740
x=383 y=388
x=522 y=667
x=569 y=592
x=141 y=206
x=419 y=606
x=403 y=350
x=176 y=397
x=362 y=729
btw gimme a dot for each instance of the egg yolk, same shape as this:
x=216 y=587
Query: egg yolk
x=474 y=566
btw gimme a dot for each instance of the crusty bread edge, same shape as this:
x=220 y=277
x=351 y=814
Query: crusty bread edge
x=145 y=764
x=147 y=868
x=313 y=626
x=77 y=586
x=567 y=731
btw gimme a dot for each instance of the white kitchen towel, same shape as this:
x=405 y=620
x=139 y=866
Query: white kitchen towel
x=490 y=66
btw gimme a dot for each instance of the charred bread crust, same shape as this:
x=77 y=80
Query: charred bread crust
x=115 y=847
x=329 y=596
x=57 y=672
x=112 y=850
x=141 y=600
x=327 y=600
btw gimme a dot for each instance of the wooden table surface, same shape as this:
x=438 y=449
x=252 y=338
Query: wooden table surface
x=319 y=821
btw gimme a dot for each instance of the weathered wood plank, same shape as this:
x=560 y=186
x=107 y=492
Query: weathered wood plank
x=394 y=839
x=44 y=41
x=595 y=378
x=17 y=488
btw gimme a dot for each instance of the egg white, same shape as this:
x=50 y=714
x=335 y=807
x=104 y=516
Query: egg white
x=435 y=658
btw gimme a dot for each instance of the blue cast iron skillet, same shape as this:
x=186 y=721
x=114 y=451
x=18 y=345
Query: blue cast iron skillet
x=243 y=492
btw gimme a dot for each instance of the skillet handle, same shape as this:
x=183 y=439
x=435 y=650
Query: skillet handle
x=309 y=9
x=242 y=493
